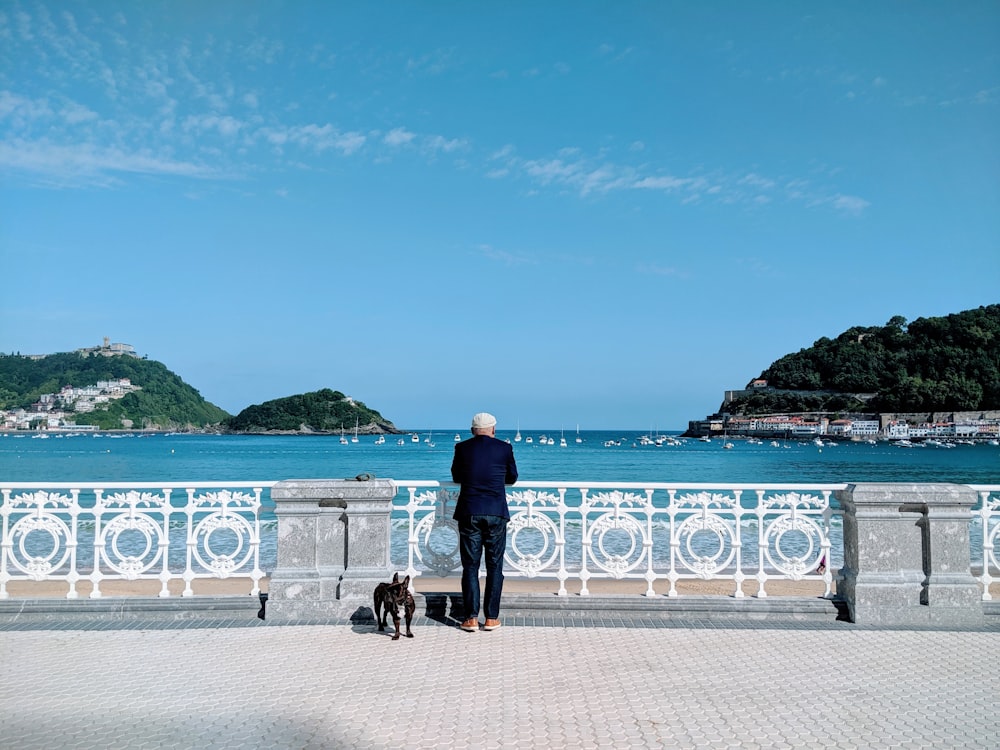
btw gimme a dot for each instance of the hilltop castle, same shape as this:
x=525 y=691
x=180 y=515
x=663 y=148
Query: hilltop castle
x=109 y=350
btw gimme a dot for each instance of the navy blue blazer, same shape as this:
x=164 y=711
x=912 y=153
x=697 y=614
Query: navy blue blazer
x=483 y=465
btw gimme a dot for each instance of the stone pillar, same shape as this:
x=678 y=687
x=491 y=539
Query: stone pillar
x=333 y=546
x=368 y=558
x=950 y=588
x=906 y=555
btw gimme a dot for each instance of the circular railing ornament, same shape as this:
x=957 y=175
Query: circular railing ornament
x=130 y=565
x=531 y=563
x=222 y=564
x=428 y=532
x=615 y=563
x=701 y=564
x=34 y=565
x=794 y=566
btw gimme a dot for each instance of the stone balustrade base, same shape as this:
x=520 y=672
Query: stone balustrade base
x=243 y=611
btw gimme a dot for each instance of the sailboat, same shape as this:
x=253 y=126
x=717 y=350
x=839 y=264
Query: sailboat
x=578 y=438
x=562 y=438
x=355 y=438
x=343 y=440
x=517 y=437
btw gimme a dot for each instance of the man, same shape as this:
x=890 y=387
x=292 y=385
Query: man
x=482 y=466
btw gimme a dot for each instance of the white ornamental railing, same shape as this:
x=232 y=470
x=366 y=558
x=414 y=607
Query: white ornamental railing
x=184 y=531
x=134 y=531
x=987 y=516
x=649 y=531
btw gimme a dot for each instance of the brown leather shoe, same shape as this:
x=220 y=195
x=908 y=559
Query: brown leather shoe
x=491 y=624
x=471 y=625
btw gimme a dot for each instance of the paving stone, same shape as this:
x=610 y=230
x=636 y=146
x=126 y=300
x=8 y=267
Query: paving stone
x=324 y=685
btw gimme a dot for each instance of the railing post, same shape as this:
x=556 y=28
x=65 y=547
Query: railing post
x=906 y=555
x=333 y=546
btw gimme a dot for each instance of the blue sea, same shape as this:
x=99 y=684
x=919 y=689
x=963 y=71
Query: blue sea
x=195 y=458
x=155 y=457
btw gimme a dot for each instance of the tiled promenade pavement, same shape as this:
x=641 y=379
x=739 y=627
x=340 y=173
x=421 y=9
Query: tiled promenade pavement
x=711 y=685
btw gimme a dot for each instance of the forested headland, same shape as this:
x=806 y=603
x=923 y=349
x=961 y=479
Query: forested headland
x=948 y=363
x=161 y=399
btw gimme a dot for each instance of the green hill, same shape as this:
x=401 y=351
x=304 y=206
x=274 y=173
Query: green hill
x=318 y=411
x=163 y=400
x=949 y=363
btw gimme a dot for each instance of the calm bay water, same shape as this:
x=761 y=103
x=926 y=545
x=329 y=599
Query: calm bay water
x=203 y=458
x=243 y=459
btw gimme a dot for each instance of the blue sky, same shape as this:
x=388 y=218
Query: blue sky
x=602 y=214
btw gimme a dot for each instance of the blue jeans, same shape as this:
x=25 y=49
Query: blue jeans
x=477 y=534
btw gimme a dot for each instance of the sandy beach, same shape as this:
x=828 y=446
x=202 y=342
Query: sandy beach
x=237 y=586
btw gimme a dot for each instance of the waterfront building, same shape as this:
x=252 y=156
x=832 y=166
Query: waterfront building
x=840 y=427
x=864 y=427
x=897 y=430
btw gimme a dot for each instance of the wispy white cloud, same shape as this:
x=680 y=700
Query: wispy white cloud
x=667 y=183
x=548 y=171
x=986 y=96
x=506 y=152
x=315 y=137
x=398 y=137
x=22 y=22
x=20 y=111
x=225 y=126
x=74 y=113
x=447 y=145
x=851 y=204
x=178 y=108
x=756 y=181
x=613 y=53
x=572 y=170
x=68 y=165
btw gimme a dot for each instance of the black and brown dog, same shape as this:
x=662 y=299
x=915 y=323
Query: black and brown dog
x=391 y=596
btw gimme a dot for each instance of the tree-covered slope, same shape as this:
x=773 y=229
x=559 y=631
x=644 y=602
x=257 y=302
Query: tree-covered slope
x=319 y=411
x=949 y=363
x=163 y=400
